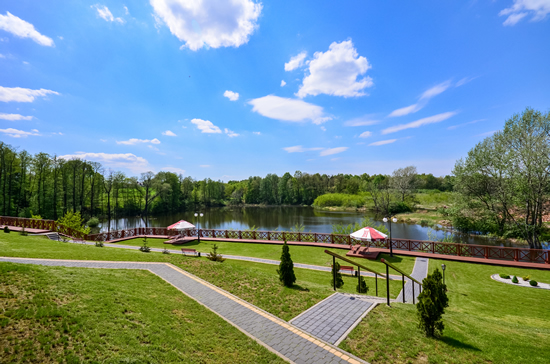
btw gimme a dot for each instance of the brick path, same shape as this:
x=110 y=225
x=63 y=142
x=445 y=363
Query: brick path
x=333 y=318
x=282 y=338
x=420 y=271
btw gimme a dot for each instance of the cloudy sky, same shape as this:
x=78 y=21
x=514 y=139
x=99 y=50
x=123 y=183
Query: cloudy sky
x=231 y=88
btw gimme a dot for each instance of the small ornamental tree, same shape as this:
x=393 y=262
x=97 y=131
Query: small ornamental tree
x=432 y=302
x=74 y=221
x=286 y=268
x=362 y=286
x=336 y=272
x=214 y=256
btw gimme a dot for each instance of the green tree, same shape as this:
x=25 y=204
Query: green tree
x=74 y=221
x=336 y=273
x=286 y=268
x=362 y=286
x=431 y=305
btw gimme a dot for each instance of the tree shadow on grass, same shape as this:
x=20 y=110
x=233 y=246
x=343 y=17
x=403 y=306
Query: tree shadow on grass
x=297 y=287
x=458 y=344
x=394 y=259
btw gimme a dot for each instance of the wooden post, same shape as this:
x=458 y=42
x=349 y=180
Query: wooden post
x=254 y=235
x=299 y=236
x=359 y=278
x=334 y=272
x=516 y=258
x=403 y=281
x=376 y=280
x=388 y=284
x=413 y=291
x=240 y=235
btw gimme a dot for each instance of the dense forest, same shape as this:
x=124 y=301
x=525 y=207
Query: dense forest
x=47 y=186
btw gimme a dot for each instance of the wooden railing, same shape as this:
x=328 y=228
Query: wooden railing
x=433 y=247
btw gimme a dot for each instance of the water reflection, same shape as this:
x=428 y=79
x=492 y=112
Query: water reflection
x=282 y=219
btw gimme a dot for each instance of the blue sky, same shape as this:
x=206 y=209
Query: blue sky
x=230 y=89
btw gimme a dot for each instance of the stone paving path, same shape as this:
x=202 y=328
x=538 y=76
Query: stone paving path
x=420 y=271
x=280 y=337
x=333 y=318
x=239 y=257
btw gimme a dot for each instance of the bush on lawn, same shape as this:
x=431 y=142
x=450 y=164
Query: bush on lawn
x=286 y=268
x=533 y=283
x=6 y=229
x=526 y=278
x=362 y=286
x=432 y=302
x=144 y=248
x=99 y=244
x=504 y=276
x=336 y=273
x=515 y=279
x=214 y=256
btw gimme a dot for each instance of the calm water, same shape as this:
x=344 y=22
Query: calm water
x=283 y=219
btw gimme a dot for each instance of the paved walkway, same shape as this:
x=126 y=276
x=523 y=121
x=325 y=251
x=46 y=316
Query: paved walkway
x=240 y=257
x=420 y=271
x=280 y=337
x=333 y=318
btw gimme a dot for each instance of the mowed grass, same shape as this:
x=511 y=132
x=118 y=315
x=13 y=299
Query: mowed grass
x=74 y=315
x=300 y=254
x=486 y=322
x=254 y=282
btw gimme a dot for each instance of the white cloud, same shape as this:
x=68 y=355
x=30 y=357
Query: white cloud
x=300 y=149
x=14 y=133
x=2 y=56
x=175 y=170
x=209 y=22
x=205 y=166
x=365 y=134
x=134 y=141
x=323 y=128
x=256 y=132
x=233 y=96
x=19 y=94
x=336 y=72
x=106 y=14
x=281 y=108
x=126 y=11
x=230 y=133
x=283 y=83
x=169 y=133
x=127 y=160
x=415 y=124
x=383 y=142
x=23 y=29
x=426 y=95
x=14 y=117
x=332 y=151
x=468 y=123
x=489 y=133
x=464 y=81
x=362 y=121
x=295 y=62
x=521 y=8
x=206 y=126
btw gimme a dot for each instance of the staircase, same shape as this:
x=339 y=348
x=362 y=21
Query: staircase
x=53 y=236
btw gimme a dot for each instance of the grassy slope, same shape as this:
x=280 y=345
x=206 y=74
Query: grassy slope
x=57 y=314
x=254 y=282
x=486 y=321
x=300 y=254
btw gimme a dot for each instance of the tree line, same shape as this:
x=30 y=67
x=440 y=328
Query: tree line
x=48 y=186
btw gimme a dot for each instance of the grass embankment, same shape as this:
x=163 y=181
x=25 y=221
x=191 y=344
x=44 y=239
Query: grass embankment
x=72 y=315
x=254 y=282
x=300 y=254
x=486 y=322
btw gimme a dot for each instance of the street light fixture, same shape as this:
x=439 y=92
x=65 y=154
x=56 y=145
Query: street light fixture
x=197 y=215
x=390 y=219
x=443 y=266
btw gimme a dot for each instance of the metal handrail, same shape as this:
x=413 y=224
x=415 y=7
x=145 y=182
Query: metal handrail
x=354 y=263
x=399 y=270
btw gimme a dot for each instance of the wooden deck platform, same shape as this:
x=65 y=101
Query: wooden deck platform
x=181 y=241
x=28 y=230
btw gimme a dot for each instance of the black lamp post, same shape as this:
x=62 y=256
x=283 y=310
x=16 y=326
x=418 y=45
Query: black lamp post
x=443 y=266
x=390 y=219
x=199 y=225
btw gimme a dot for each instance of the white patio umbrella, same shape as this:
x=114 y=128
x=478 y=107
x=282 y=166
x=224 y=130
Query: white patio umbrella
x=181 y=225
x=368 y=234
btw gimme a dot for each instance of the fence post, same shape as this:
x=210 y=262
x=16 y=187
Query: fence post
x=254 y=235
x=226 y=234
x=269 y=235
x=516 y=255
x=240 y=235
x=284 y=236
x=486 y=252
x=332 y=238
x=548 y=257
x=299 y=236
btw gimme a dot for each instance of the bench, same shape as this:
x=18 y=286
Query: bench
x=346 y=267
x=185 y=251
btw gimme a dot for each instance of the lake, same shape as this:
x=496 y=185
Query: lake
x=283 y=218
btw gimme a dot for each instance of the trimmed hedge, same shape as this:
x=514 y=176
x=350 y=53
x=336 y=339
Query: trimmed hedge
x=504 y=276
x=515 y=279
x=533 y=283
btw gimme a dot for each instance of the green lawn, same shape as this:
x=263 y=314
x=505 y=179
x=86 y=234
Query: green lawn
x=72 y=315
x=486 y=322
x=254 y=282
x=300 y=254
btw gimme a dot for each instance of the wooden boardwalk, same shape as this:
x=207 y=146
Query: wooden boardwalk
x=28 y=230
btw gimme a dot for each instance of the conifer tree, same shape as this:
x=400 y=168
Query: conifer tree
x=336 y=272
x=286 y=268
x=362 y=286
x=432 y=302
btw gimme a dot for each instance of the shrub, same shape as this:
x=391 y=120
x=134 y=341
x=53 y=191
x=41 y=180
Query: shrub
x=214 y=256
x=93 y=222
x=144 y=248
x=6 y=229
x=74 y=221
x=165 y=251
x=504 y=276
x=526 y=278
x=362 y=286
x=432 y=302
x=99 y=244
x=336 y=273
x=286 y=268
x=36 y=217
x=533 y=283
x=515 y=279
x=23 y=232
